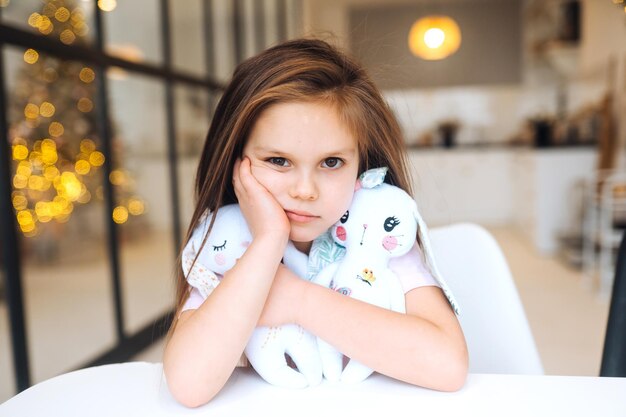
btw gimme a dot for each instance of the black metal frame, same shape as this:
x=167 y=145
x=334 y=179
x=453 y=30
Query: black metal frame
x=614 y=352
x=127 y=345
x=9 y=247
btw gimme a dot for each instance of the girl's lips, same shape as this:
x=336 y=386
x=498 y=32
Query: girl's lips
x=300 y=216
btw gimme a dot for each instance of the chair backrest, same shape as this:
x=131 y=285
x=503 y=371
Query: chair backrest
x=614 y=354
x=498 y=336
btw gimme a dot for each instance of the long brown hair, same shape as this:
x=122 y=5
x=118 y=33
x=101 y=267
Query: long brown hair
x=308 y=70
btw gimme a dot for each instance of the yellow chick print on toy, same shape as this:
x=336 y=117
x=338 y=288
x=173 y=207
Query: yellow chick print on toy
x=367 y=277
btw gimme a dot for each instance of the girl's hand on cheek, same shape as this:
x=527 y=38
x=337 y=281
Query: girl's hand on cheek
x=261 y=210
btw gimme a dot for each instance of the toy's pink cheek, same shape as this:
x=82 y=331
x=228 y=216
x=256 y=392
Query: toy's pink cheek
x=341 y=233
x=390 y=242
x=245 y=244
x=220 y=259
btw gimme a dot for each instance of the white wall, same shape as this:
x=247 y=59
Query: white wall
x=327 y=19
x=494 y=114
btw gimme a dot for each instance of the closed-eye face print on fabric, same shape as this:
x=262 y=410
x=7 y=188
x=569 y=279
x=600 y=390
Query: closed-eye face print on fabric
x=234 y=247
x=267 y=346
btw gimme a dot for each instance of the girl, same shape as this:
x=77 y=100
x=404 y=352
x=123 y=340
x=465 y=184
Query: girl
x=295 y=127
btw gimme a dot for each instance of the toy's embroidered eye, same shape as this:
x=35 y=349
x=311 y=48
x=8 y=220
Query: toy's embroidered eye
x=344 y=218
x=391 y=223
x=220 y=247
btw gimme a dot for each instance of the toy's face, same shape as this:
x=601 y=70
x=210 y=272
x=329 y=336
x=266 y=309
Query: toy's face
x=228 y=240
x=379 y=219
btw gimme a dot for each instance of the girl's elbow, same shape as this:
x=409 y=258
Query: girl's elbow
x=455 y=380
x=185 y=391
x=189 y=399
x=455 y=373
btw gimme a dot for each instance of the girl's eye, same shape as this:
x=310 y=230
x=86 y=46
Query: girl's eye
x=278 y=161
x=333 y=163
x=220 y=247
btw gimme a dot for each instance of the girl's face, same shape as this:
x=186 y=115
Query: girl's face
x=308 y=161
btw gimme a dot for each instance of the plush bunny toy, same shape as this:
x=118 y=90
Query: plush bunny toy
x=267 y=346
x=380 y=224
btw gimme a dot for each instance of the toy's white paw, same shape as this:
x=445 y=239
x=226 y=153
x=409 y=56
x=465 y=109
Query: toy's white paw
x=355 y=372
x=285 y=377
x=332 y=361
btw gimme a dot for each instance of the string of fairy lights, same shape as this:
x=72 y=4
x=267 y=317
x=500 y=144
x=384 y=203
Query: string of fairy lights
x=49 y=184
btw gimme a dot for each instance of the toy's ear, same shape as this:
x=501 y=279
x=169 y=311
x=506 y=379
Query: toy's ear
x=421 y=225
x=373 y=177
x=415 y=211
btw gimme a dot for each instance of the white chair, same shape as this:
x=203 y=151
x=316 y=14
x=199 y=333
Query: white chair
x=498 y=336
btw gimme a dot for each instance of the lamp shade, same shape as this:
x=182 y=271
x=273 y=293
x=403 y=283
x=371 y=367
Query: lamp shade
x=434 y=37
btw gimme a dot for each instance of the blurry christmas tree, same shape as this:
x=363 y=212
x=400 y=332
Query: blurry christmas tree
x=54 y=135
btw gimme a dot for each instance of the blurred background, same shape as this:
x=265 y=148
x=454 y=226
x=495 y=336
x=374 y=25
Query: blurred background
x=513 y=113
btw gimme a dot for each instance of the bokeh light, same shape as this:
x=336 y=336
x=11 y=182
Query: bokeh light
x=86 y=75
x=47 y=109
x=31 y=56
x=107 y=5
x=120 y=215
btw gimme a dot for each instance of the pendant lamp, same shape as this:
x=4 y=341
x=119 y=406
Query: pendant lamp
x=434 y=37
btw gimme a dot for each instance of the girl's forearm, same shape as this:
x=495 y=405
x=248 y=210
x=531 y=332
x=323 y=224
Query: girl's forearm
x=208 y=342
x=420 y=351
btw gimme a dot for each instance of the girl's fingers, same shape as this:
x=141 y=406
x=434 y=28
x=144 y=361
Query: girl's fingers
x=243 y=180
x=237 y=178
x=247 y=180
x=245 y=173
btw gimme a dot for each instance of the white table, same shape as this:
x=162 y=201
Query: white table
x=139 y=389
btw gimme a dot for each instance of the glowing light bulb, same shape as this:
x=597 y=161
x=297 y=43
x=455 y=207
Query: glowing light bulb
x=107 y=5
x=434 y=37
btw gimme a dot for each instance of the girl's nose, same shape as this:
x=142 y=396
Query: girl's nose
x=304 y=188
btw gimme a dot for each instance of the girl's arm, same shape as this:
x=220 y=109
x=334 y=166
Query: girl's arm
x=423 y=347
x=207 y=343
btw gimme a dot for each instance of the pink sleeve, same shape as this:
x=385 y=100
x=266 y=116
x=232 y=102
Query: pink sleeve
x=411 y=270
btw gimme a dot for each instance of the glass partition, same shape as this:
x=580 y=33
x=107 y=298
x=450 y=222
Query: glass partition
x=143 y=206
x=7 y=377
x=188 y=30
x=133 y=30
x=57 y=195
